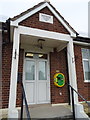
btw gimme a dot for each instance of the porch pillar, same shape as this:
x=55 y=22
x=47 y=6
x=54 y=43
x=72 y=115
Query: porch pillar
x=79 y=110
x=13 y=113
x=71 y=68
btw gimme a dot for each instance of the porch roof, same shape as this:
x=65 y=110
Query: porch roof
x=31 y=43
x=41 y=5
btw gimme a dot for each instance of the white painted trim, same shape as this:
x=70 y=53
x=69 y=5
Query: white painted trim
x=24 y=70
x=59 y=104
x=43 y=33
x=42 y=17
x=86 y=81
x=81 y=43
x=48 y=75
x=83 y=59
x=13 y=113
x=16 y=22
x=72 y=69
x=73 y=34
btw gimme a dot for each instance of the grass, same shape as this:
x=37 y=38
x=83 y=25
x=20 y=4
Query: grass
x=86 y=109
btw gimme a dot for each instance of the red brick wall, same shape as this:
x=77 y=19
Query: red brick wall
x=34 y=22
x=58 y=61
x=20 y=70
x=6 y=65
x=6 y=71
x=83 y=87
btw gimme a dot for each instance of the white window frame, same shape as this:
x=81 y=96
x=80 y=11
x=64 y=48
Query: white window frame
x=85 y=59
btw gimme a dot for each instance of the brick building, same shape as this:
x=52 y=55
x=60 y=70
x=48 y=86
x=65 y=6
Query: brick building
x=40 y=44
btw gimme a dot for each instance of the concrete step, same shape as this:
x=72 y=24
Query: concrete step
x=49 y=112
x=53 y=119
x=56 y=118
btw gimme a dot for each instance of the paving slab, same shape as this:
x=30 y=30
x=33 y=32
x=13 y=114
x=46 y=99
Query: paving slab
x=49 y=111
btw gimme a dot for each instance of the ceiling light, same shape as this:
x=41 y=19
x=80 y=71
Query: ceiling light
x=40 y=55
x=40 y=43
x=29 y=55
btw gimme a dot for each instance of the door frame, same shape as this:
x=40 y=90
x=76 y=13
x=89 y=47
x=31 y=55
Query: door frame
x=48 y=74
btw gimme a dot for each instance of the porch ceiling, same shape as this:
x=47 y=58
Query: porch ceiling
x=33 y=41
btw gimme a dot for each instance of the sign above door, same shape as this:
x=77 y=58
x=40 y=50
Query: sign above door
x=45 y=18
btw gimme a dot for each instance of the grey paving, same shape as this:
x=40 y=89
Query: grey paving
x=49 y=111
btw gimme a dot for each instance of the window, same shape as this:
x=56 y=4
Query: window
x=36 y=55
x=86 y=64
x=30 y=70
x=42 y=70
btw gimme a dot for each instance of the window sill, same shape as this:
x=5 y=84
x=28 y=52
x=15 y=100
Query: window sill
x=87 y=81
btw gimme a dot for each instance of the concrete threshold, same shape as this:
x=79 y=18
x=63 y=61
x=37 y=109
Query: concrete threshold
x=47 y=111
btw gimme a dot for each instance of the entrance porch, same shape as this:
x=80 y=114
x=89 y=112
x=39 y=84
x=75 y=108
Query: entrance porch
x=28 y=39
x=40 y=65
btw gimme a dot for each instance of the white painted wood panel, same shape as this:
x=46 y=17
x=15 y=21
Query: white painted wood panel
x=30 y=92
x=42 y=92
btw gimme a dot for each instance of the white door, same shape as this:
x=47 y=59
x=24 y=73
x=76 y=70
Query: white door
x=37 y=84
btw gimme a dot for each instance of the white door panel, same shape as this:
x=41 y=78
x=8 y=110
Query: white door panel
x=30 y=92
x=42 y=92
x=37 y=84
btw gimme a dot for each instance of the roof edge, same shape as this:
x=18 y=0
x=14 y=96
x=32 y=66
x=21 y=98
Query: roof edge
x=52 y=9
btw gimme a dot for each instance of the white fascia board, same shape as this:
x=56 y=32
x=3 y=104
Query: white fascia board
x=81 y=43
x=43 y=33
x=15 y=23
x=73 y=34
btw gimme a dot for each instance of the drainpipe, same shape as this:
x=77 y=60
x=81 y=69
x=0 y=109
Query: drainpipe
x=8 y=29
x=1 y=70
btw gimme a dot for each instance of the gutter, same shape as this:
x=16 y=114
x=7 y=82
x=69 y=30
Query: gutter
x=6 y=30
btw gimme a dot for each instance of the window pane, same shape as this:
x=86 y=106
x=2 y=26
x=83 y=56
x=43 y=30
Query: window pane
x=87 y=70
x=42 y=70
x=36 y=55
x=30 y=70
x=85 y=53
